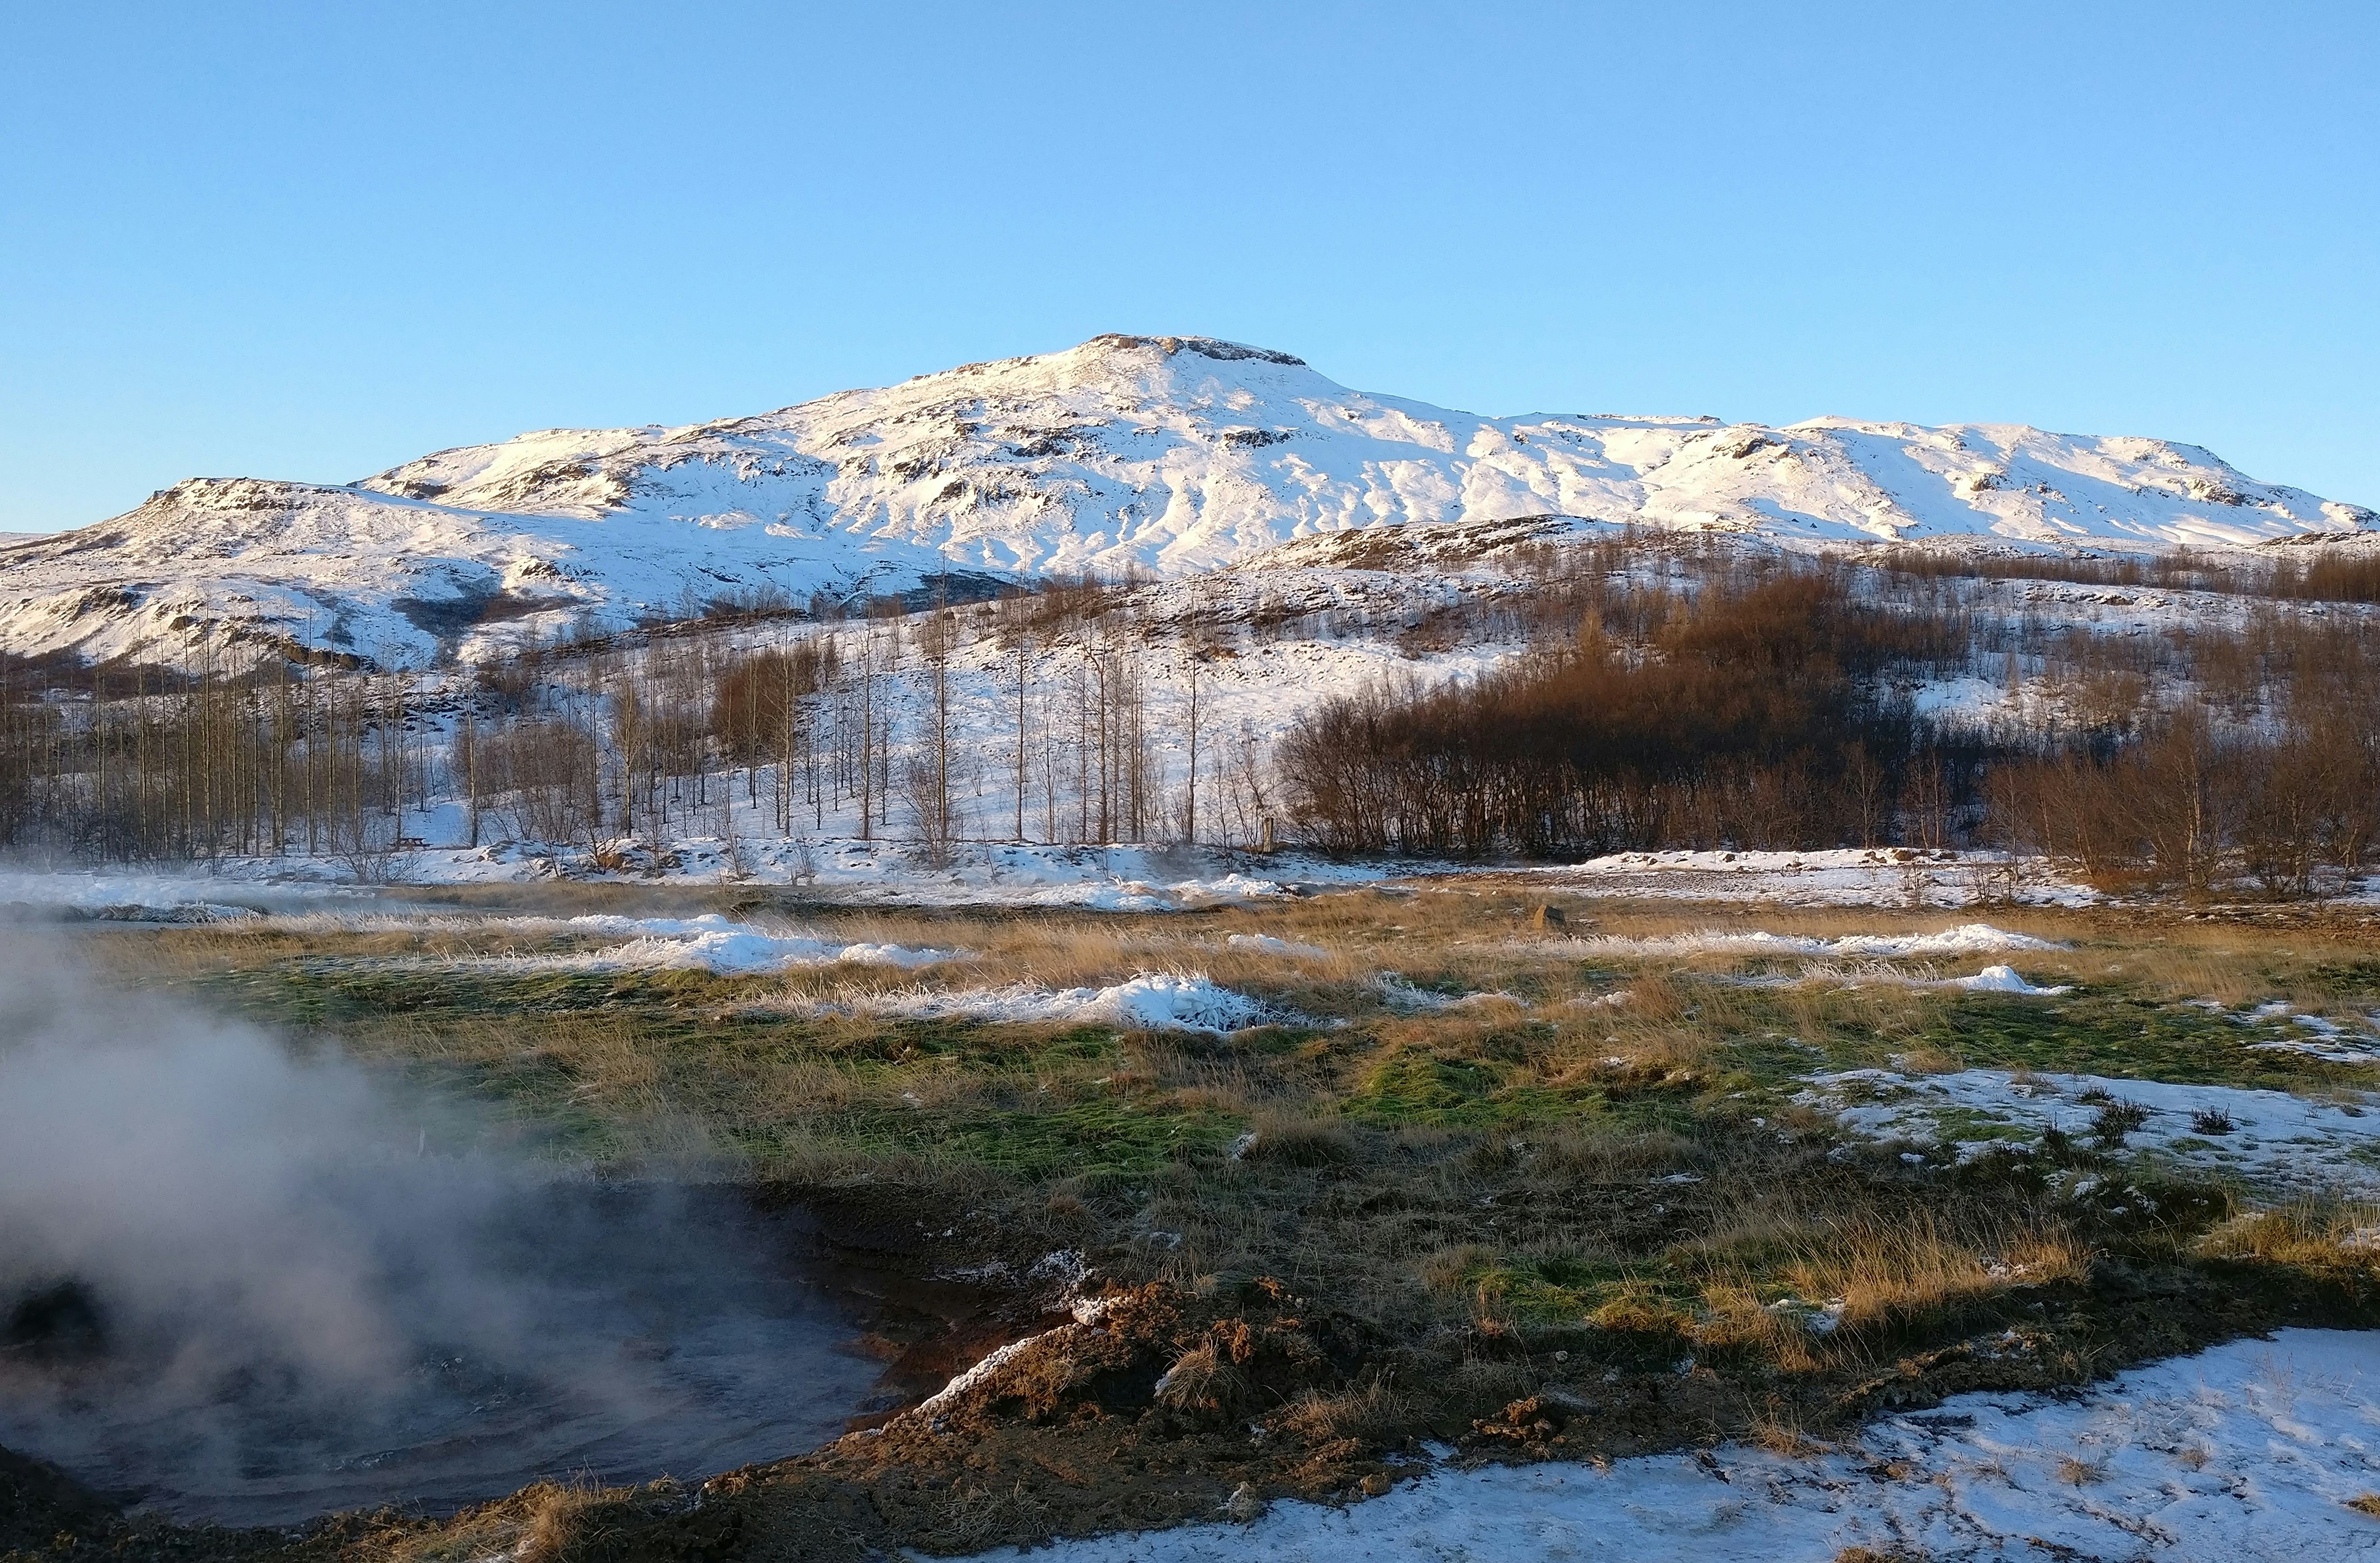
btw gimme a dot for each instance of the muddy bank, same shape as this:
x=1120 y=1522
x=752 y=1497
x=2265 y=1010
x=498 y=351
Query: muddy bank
x=1154 y=1406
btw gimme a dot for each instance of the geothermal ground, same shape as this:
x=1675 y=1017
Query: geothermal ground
x=617 y=1221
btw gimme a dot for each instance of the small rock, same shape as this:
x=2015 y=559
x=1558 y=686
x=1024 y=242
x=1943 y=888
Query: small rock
x=1548 y=917
x=1375 y=1485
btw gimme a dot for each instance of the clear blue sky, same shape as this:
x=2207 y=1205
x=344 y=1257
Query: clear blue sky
x=313 y=240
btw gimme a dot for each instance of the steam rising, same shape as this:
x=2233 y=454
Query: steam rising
x=252 y=1286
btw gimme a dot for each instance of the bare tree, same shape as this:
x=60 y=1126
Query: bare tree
x=1190 y=784
x=1024 y=650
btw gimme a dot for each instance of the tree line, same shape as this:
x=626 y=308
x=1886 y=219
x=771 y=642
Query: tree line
x=1667 y=693
x=1773 y=707
x=1091 y=733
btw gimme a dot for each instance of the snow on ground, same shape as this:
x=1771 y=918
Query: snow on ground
x=1152 y=878
x=2324 y=1046
x=1401 y=994
x=1159 y=878
x=1838 y=877
x=2314 y=1035
x=1265 y=944
x=1862 y=973
x=1967 y=938
x=2253 y=1450
x=709 y=942
x=1109 y=878
x=2003 y=979
x=1866 y=954
x=1124 y=877
x=2270 y=1138
x=1152 y=1002
x=153 y=898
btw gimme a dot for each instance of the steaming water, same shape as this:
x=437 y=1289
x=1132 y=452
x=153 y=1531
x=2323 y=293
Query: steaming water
x=244 y=1285
x=627 y=1336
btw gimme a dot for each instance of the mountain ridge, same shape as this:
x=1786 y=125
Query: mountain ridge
x=1166 y=455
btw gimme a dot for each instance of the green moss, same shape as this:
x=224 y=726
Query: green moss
x=318 y=990
x=1539 y=1290
x=1963 y=1125
x=1648 y=1314
x=1414 y=1085
x=2348 y=979
x=2124 y=1038
x=1768 y=1062
x=1092 y=1138
x=1096 y=1137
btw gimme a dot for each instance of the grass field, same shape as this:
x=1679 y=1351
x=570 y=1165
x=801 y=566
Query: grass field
x=1534 y=1186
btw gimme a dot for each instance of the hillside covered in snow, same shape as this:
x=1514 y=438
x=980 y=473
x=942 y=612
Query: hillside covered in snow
x=1162 y=455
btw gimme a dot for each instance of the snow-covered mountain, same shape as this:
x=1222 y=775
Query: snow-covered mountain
x=1170 y=455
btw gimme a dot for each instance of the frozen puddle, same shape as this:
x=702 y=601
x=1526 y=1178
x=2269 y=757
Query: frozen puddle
x=1159 y=1002
x=2252 y=1450
x=2266 y=1137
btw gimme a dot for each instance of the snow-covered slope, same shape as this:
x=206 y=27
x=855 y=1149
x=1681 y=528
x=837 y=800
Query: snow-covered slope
x=1166 y=455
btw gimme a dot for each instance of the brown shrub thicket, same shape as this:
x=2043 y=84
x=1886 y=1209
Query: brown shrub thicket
x=1770 y=711
x=1678 y=692
x=2319 y=573
x=756 y=702
x=1755 y=713
x=2190 y=806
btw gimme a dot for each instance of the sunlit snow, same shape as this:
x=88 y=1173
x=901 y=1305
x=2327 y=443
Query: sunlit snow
x=2250 y=1452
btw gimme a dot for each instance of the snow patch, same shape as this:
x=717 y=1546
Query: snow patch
x=146 y=898
x=2249 y=1452
x=1403 y=996
x=1967 y=938
x=709 y=942
x=2262 y=1137
x=1161 y=1002
x=2324 y=1049
x=1265 y=944
x=1840 y=877
x=2330 y=1042
x=2003 y=979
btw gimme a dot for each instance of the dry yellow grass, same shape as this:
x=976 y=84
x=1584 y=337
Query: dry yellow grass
x=1371 y=1411
x=1896 y=1276
x=2307 y=1234
x=1607 y=1194
x=543 y=1523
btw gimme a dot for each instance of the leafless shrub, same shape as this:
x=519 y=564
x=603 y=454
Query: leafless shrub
x=2112 y=1122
